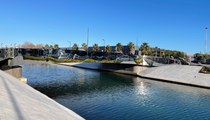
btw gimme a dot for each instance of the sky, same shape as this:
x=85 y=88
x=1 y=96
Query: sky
x=168 y=24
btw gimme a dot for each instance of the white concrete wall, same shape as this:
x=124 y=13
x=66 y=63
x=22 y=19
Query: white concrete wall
x=184 y=74
x=18 y=101
x=112 y=67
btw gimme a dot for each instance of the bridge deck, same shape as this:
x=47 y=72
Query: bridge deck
x=19 y=101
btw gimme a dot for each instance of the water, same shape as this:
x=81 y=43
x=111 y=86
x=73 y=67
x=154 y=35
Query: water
x=106 y=96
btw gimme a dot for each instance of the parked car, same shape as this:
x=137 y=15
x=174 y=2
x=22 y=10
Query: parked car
x=64 y=56
x=76 y=57
x=111 y=57
x=208 y=61
x=124 y=58
x=100 y=57
x=136 y=57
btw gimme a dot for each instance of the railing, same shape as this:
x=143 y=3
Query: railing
x=8 y=52
x=167 y=60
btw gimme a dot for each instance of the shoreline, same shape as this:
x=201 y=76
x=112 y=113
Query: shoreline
x=177 y=74
x=17 y=99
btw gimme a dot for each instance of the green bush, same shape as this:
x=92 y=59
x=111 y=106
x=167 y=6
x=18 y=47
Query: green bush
x=99 y=61
x=49 y=59
x=67 y=60
x=89 y=60
x=34 y=58
x=138 y=61
x=107 y=61
x=62 y=60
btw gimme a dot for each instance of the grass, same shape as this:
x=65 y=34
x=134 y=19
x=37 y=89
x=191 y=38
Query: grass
x=49 y=59
x=66 y=60
x=138 y=61
x=34 y=58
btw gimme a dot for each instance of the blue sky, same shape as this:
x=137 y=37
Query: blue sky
x=168 y=24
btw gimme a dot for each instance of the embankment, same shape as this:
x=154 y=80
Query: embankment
x=19 y=101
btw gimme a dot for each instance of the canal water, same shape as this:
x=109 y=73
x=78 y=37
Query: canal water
x=98 y=95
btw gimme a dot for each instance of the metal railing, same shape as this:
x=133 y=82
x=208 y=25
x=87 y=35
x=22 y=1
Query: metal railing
x=8 y=52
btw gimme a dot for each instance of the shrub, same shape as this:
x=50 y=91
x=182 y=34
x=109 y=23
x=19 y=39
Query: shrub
x=107 y=61
x=138 y=61
x=34 y=58
x=89 y=60
x=67 y=60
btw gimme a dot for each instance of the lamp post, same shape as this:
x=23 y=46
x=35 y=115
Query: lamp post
x=156 y=51
x=87 y=39
x=69 y=44
x=206 y=29
x=104 y=45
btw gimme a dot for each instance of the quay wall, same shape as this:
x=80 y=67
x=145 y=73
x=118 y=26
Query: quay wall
x=180 y=74
x=21 y=102
x=15 y=71
x=130 y=69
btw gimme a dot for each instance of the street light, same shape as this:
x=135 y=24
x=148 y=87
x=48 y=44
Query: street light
x=70 y=45
x=156 y=51
x=206 y=39
x=87 y=39
x=104 y=45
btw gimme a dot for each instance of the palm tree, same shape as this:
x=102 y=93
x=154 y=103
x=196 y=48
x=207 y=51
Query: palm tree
x=46 y=47
x=51 y=46
x=75 y=46
x=131 y=47
x=145 y=49
x=84 y=46
x=119 y=47
x=56 y=46
x=108 y=49
x=95 y=47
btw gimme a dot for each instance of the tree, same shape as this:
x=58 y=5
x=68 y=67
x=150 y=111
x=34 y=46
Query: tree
x=119 y=47
x=108 y=49
x=51 y=47
x=28 y=45
x=56 y=46
x=95 y=47
x=84 y=46
x=75 y=46
x=46 y=46
x=131 y=47
x=145 y=49
x=39 y=46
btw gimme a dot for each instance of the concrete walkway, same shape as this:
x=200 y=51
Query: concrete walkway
x=19 y=101
x=178 y=73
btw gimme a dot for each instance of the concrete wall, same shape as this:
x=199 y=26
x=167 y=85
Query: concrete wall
x=15 y=71
x=182 y=74
x=130 y=69
x=22 y=102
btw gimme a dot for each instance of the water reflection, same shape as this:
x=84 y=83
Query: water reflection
x=140 y=86
x=57 y=81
